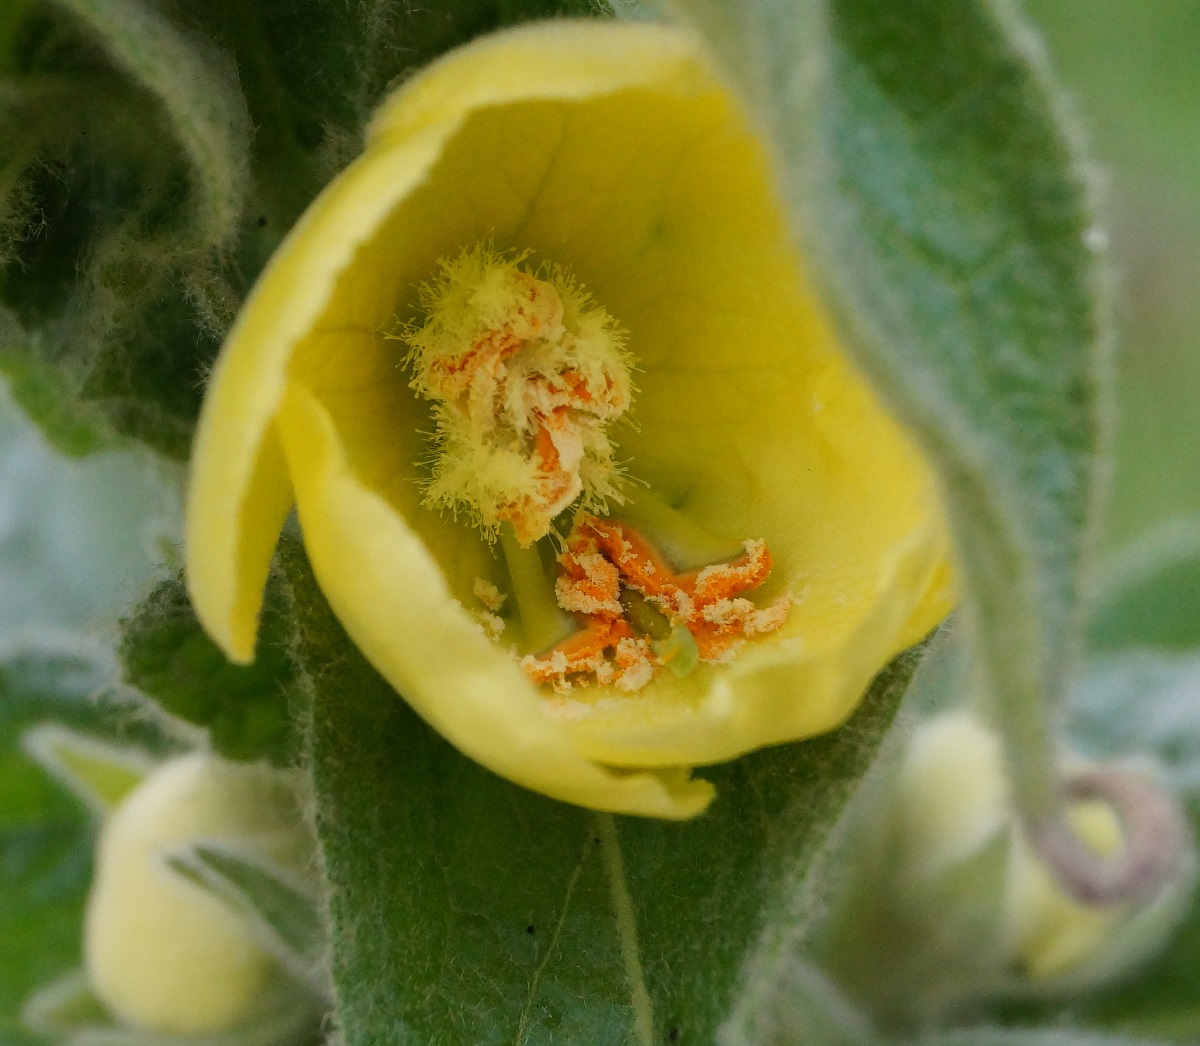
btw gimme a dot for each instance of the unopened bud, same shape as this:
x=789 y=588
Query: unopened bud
x=163 y=954
x=953 y=802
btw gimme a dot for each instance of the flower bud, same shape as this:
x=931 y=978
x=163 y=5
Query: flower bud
x=163 y=954
x=1051 y=934
x=951 y=797
x=953 y=802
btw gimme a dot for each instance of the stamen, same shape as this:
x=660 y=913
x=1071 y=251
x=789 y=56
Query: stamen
x=638 y=609
x=489 y=595
x=526 y=374
x=542 y=622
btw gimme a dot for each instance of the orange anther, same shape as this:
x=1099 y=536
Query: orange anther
x=601 y=555
x=725 y=580
x=581 y=652
x=639 y=562
x=547 y=452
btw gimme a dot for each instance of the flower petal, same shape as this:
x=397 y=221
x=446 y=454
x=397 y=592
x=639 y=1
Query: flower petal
x=390 y=594
x=238 y=494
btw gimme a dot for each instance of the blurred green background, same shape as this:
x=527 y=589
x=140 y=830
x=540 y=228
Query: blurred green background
x=1132 y=71
x=79 y=539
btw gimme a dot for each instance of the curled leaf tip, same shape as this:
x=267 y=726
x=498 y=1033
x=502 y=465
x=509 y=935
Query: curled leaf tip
x=1155 y=846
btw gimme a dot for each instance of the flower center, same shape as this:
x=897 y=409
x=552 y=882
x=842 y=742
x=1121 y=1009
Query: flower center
x=526 y=374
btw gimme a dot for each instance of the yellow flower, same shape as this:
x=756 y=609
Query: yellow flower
x=614 y=154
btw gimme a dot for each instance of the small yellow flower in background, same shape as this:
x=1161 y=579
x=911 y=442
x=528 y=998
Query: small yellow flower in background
x=657 y=468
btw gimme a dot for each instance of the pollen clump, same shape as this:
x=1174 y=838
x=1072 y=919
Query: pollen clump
x=626 y=592
x=526 y=374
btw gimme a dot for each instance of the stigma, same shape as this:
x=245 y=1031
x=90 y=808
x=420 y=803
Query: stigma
x=526 y=374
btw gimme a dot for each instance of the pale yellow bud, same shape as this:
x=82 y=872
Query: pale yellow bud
x=952 y=796
x=164 y=955
x=1050 y=934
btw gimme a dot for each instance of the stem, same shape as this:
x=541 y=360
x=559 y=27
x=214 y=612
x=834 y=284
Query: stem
x=543 y=623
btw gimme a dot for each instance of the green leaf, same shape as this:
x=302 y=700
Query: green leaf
x=45 y=833
x=197 y=87
x=109 y=235
x=62 y=1005
x=464 y=909
x=283 y=912
x=246 y=709
x=1150 y=592
x=46 y=395
x=68 y=1012
x=136 y=208
x=930 y=180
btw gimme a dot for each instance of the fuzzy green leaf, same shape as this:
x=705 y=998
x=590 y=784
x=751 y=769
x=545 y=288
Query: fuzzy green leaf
x=68 y=1013
x=198 y=89
x=109 y=236
x=136 y=206
x=99 y=774
x=246 y=709
x=466 y=910
x=930 y=179
x=47 y=396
